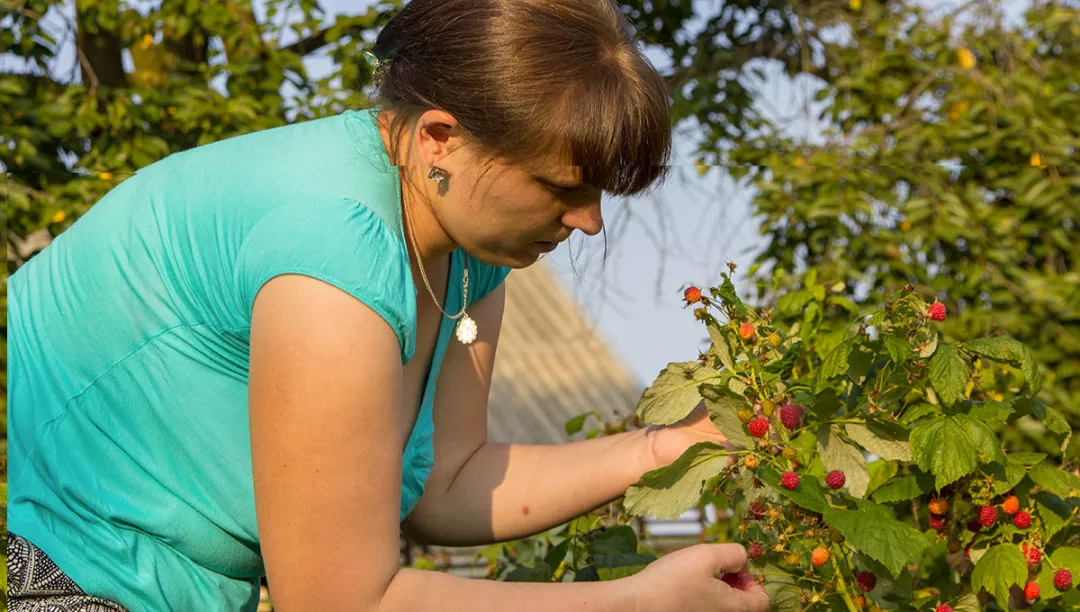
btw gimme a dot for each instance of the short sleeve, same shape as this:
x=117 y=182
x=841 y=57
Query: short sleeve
x=342 y=243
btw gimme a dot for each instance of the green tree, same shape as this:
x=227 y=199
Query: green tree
x=950 y=165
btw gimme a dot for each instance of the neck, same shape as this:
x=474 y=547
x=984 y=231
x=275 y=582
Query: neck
x=432 y=243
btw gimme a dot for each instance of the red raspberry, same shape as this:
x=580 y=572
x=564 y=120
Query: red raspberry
x=987 y=516
x=1022 y=519
x=938 y=506
x=1011 y=505
x=943 y=608
x=1063 y=579
x=692 y=295
x=820 y=556
x=754 y=550
x=747 y=331
x=789 y=480
x=835 y=479
x=866 y=581
x=967 y=551
x=757 y=509
x=937 y=522
x=758 y=427
x=937 y=311
x=1032 y=554
x=791 y=416
x=1031 y=591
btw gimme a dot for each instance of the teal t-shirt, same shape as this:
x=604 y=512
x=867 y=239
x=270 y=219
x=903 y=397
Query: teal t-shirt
x=128 y=340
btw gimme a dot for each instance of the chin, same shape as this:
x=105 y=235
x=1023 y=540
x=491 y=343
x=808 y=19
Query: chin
x=519 y=259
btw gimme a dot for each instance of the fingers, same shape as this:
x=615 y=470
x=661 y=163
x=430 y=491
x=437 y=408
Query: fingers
x=727 y=558
x=754 y=600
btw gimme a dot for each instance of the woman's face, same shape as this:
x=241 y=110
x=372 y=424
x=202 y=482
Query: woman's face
x=501 y=213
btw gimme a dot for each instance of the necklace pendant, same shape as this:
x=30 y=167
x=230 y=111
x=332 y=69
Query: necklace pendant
x=466 y=330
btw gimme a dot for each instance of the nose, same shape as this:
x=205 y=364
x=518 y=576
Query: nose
x=586 y=218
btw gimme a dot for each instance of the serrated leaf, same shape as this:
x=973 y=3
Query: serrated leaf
x=838 y=454
x=916 y=412
x=950 y=447
x=1055 y=422
x=968 y=603
x=782 y=589
x=784 y=365
x=674 y=393
x=613 y=540
x=1053 y=479
x=540 y=573
x=1066 y=557
x=669 y=491
x=898 y=347
x=886 y=540
x=620 y=565
x=826 y=404
x=726 y=291
x=557 y=554
x=998 y=570
x=903 y=489
x=991 y=411
x=575 y=424
x=886 y=440
x=793 y=302
x=834 y=364
x=860 y=361
x=1053 y=511
x=1010 y=351
x=948 y=373
x=720 y=347
x=723 y=406
x=881 y=472
x=1028 y=459
x=807 y=495
x=1006 y=475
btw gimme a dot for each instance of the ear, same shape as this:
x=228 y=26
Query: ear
x=437 y=135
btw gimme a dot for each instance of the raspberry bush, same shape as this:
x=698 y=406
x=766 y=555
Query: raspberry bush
x=865 y=468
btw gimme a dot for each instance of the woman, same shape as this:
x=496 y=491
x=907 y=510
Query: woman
x=227 y=369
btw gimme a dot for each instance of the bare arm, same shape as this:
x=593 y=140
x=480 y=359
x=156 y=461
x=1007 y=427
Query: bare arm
x=325 y=390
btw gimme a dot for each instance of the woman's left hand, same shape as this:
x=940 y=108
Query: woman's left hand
x=666 y=443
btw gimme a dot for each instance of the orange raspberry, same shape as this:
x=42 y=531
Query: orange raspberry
x=820 y=556
x=938 y=506
x=1011 y=505
x=747 y=331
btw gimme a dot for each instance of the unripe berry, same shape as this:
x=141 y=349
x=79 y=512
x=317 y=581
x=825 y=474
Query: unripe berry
x=1031 y=591
x=758 y=427
x=820 y=556
x=794 y=559
x=745 y=415
x=1063 y=579
x=1011 y=505
x=768 y=407
x=938 y=506
x=701 y=313
x=835 y=479
x=747 y=332
x=790 y=453
x=1022 y=519
x=987 y=516
x=789 y=480
x=751 y=462
x=774 y=340
x=692 y=295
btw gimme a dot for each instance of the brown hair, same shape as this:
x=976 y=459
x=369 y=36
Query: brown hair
x=526 y=78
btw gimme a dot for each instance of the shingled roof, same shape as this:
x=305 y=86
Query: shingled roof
x=551 y=365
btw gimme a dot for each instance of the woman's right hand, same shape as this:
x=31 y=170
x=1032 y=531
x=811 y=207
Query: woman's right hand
x=691 y=579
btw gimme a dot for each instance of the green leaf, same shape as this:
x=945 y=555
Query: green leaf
x=838 y=454
x=860 y=361
x=784 y=365
x=1007 y=475
x=808 y=494
x=881 y=472
x=826 y=404
x=557 y=554
x=950 y=447
x=834 y=364
x=948 y=373
x=720 y=347
x=998 y=570
x=1028 y=459
x=782 y=589
x=991 y=411
x=1053 y=479
x=791 y=303
x=916 y=412
x=1066 y=557
x=886 y=540
x=674 y=393
x=898 y=347
x=620 y=565
x=1012 y=352
x=1055 y=422
x=612 y=540
x=726 y=291
x=575 y=424
x=724 y=405
x=669 y=491
x=886 y=440
x=540 y=573
x=1053 y=511
x=903 y=489
x=968 y=603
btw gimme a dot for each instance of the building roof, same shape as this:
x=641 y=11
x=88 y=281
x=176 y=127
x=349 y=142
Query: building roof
x=551 y=365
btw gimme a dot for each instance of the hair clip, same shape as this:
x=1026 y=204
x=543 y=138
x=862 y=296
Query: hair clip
x=375 y=62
